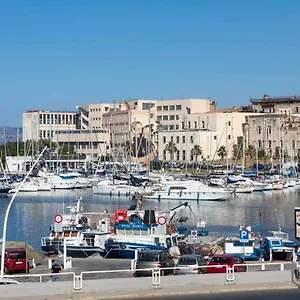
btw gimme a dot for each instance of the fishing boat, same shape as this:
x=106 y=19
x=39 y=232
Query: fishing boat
x=136 y=230
x=75 y=230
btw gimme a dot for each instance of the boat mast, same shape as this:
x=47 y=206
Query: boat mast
x=114 y=142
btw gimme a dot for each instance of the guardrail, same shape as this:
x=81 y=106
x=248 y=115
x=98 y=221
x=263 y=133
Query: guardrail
x=156 y=273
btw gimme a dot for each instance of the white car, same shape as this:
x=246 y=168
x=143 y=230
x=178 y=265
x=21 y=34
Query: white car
x=7 y=281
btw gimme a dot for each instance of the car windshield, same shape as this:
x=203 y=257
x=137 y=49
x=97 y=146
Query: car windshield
x=223 y=260
x=276 y=243
x=187 y=261
x=148 y=257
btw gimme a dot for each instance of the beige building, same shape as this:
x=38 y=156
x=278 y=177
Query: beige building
x=208 y=130
x=129 y=122
x=277 y=129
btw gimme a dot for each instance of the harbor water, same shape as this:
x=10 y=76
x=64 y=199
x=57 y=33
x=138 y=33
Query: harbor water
x=32 y=213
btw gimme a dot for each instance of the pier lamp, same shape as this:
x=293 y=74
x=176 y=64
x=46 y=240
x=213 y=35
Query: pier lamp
x=8 y=209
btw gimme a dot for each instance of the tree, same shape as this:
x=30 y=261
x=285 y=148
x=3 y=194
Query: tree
x=197 y=151
x=261 y=153
x=250 y=152
x=277 y=153
x=221 y=152
x=171 y=148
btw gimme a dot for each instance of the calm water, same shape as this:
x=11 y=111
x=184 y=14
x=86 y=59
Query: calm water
x=32 y=213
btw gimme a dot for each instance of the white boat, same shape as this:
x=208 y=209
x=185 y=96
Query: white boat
x=259 y=186
x=74 y=229
x=190 y=190
x=120 y=188
x=27 y=186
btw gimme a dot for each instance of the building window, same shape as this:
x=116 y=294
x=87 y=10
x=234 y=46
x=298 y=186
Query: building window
x=164 y=155
x=269 y=144
x=269 y=130
x=189 y=125
x=259 y=130
x=183 y=140
x=177 y=139
x=195 y=125
x=293 y=144
x=171 y=127
x=159 y=118
x=178 y=155
x=178 y=107
x=165 y=118
x=164 y=139
x=172 y=117
x=183 y=154
x=165 y=107
x=172 y=139
x=259 y=143
x=182 y=125
x=177 y=117
x=215 y=137
x=151 y=116
x=203 y=124
x=192 y=154
x=158 y=108
x=172 y=107
x=297 y=109
x=177 y=127
x=229 y=123
x=229 y=136
x=191 y=139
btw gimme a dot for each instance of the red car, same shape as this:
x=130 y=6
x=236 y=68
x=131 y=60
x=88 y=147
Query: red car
x=219 y=262
x=16 y=260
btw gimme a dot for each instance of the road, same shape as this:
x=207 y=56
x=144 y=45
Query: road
x=266 y=295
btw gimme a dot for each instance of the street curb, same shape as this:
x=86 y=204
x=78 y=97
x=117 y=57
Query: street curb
x=154 y=293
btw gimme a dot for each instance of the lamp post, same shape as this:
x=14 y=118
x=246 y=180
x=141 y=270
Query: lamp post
x=8 y=209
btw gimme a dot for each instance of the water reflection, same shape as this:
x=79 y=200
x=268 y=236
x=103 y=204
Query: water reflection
x=32 y=213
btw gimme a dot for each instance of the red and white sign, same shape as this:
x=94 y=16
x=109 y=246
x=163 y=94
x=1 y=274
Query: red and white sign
x=58 y=219
x=161 y=220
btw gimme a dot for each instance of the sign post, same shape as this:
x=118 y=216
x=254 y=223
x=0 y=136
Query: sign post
x=194 y=234
x=297 y=223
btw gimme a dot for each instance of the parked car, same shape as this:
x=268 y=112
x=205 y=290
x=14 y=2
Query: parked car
x=218 y=263
x=153 y=259
x=16 y=261
x=7 y=281
x=191 y=264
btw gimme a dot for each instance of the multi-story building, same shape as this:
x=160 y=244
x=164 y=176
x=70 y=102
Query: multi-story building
x=275 y=131
x=42 y=124
x=135 y=124
x=210 y=131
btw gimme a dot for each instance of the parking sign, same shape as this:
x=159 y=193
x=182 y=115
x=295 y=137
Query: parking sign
x=244 y=236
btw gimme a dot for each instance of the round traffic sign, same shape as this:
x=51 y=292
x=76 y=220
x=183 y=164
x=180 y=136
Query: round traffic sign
x=58 y=219
x=161 y=220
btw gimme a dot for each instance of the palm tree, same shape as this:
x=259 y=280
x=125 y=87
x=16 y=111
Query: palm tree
x=197 y=150
x=171 y=148
x=221 y=152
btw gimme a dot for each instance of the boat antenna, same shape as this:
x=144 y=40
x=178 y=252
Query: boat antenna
x=278 y=220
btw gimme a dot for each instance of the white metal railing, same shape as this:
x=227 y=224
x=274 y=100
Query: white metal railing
x=158 y=272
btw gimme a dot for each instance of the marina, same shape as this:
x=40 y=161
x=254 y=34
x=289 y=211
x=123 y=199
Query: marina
x=32 y=213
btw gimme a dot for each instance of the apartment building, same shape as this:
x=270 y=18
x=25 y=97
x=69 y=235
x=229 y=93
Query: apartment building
x=209 y=130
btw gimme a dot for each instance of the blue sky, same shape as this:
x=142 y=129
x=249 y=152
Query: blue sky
x=59 y=54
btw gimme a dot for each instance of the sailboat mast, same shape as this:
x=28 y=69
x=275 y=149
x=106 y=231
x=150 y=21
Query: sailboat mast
x=114 y=140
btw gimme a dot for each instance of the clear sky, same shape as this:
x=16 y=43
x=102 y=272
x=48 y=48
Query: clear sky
x=57 y=54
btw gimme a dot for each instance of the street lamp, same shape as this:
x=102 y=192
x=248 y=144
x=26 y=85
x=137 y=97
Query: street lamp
x=8 y=209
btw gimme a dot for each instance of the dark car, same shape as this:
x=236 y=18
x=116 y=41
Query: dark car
x=218 y=263
x=153 y=259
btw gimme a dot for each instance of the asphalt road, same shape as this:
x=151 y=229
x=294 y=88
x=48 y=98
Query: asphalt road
x=246 y=295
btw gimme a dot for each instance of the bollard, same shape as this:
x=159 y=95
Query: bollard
x=263 y=267
x=281 y=267
x=50 y=263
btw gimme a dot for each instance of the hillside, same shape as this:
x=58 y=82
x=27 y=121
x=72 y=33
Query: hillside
x=10 y=134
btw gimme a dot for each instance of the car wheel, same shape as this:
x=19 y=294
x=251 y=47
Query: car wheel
x=136 y=275
x=162 y=272
x=201 y=271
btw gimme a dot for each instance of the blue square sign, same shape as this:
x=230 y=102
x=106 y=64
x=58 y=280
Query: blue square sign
x=244 y=235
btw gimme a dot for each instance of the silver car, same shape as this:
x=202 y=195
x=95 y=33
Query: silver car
x=153 y=259
x=191 y=264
